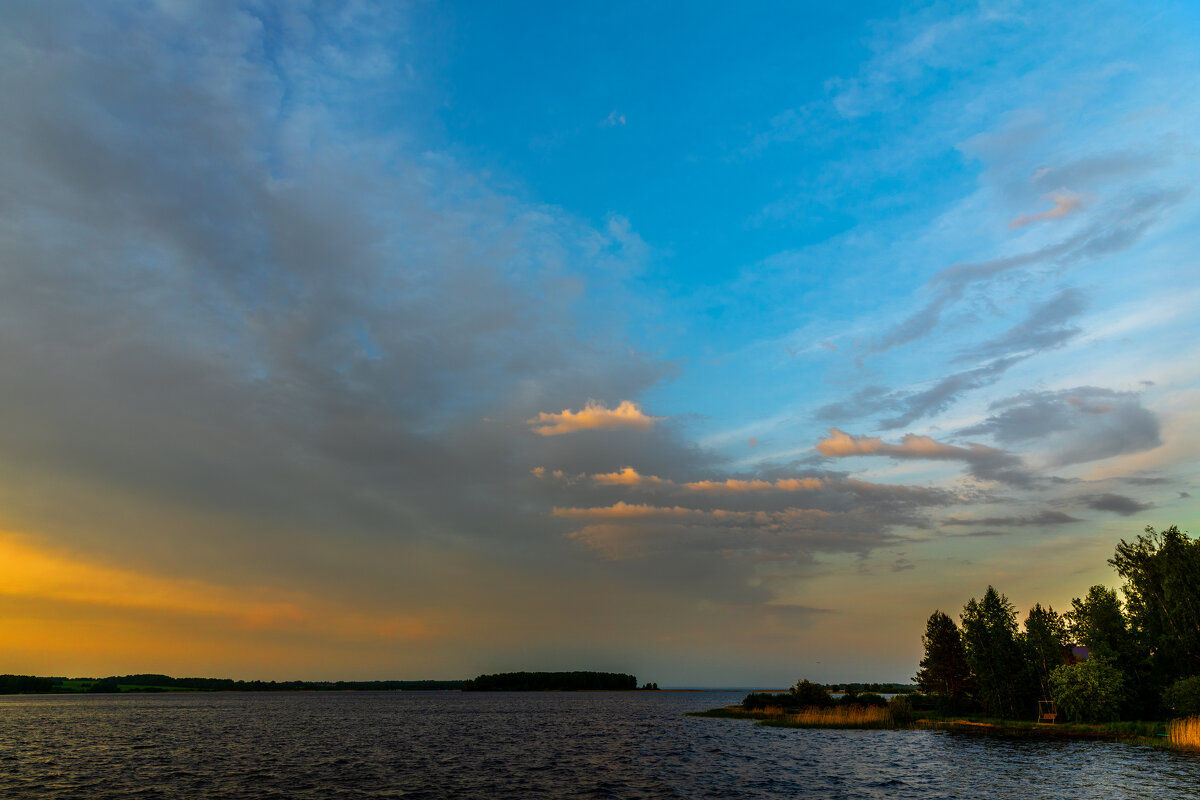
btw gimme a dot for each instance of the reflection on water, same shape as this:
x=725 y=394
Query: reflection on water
x=451 y=745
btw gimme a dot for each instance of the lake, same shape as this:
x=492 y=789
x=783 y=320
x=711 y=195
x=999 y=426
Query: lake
x=467 y=745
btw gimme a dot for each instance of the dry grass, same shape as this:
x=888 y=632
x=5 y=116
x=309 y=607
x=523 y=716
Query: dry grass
x=1184 y=733
x=853 y=716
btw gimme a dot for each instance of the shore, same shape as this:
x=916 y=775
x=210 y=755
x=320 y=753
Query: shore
x=1137 y=733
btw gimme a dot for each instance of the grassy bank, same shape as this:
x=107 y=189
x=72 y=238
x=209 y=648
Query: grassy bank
x=1180 y=734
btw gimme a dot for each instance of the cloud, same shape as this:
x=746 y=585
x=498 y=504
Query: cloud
x=1116 y=503
x=283 y=327
x=593 y=416
x=729 y=485
x=1042 y=330
x=1041 y=518
x=623 y=510
x=1073 y=426
x=910 y=406
x=613 y=120
x=1115 y=231
x=1064 y=203
x=626 y=476
x=984 y=462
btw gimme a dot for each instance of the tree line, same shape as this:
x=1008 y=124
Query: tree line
x=1104 y=659
x=29 y=684
x=552 y=682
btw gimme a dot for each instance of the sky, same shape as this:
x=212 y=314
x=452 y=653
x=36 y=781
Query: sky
x=716 y=343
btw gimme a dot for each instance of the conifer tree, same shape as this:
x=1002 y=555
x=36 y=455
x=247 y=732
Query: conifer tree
x=944 y=668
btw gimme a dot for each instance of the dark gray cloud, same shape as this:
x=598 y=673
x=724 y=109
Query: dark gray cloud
x=233 y=334
x=212 y=299
x=1076 y=425
x=1116 y=503
x=1041 y=518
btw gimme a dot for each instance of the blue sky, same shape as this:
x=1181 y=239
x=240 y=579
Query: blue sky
x=716 y=344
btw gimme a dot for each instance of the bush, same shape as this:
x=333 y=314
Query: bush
x=1183 y=697
x=756 y=700
x=806 y=694
x=1089 y=691
x=853 y=698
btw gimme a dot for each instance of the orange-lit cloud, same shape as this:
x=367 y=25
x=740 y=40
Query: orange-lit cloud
x=626 y=476
x=1064 y=203
x=593 y=416
x=729 y=486
x=840 y=444
x=623 y=510
x=733 y=486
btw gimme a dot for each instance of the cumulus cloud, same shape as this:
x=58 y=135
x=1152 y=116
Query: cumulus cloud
x=1064 y=203
x=593 y=416
x=626 y=476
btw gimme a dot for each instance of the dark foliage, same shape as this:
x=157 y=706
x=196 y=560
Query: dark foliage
x=1162 y=601
x=25 y=684
x=944 y=670
x=551 y=682
x=1046 y=645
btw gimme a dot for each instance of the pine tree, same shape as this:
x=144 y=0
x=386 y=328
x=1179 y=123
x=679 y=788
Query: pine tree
x=989 y=634
x=944 y=669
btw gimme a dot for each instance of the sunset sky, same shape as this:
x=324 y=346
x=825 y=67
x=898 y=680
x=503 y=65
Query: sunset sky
x=719 y=343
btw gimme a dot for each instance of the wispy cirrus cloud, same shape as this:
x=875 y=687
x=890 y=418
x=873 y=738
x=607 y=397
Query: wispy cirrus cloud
x=1065 y=203
x=1114 y=231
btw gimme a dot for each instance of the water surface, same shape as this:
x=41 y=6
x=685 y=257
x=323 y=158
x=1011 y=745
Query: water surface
x=562 y=745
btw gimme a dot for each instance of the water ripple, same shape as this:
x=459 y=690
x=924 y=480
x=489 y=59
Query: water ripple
x=420 y=746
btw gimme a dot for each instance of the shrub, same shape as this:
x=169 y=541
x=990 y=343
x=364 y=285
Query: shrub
x=758 y=700
x=1183 y=697
x=808 y=695
x=1089 y=691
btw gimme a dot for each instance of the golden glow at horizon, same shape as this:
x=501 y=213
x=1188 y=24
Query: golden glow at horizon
x=60 y=602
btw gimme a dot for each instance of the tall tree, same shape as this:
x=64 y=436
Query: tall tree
x=1098 y=622
x=989 y=634
x=944 y=669
x=1162 y=596
x=1044 y=644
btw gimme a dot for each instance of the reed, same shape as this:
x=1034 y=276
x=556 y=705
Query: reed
x=853 y=716
x=1184 y=733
